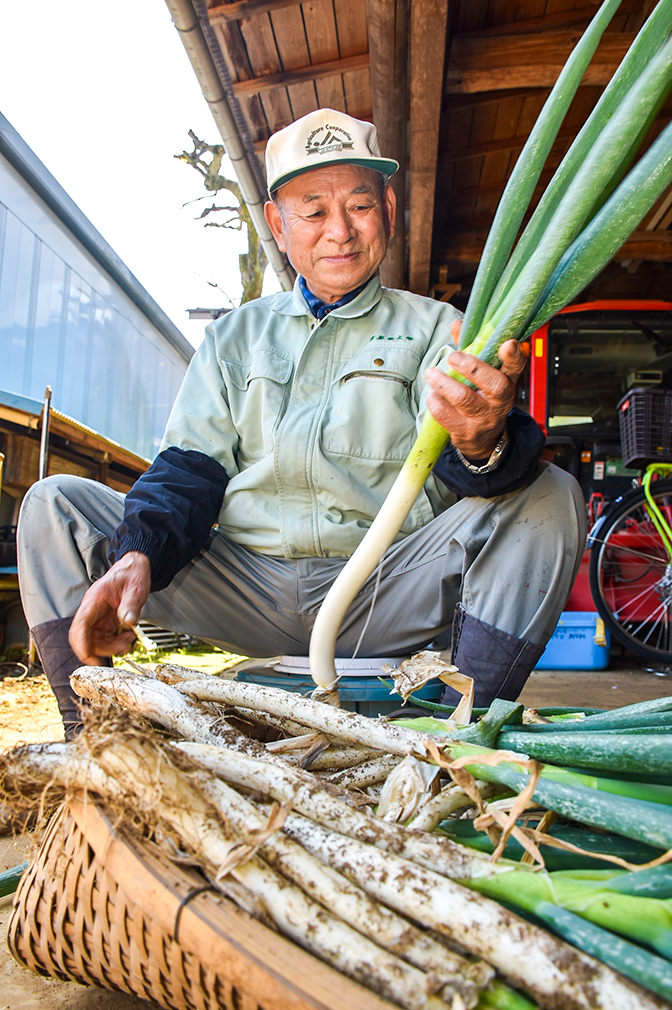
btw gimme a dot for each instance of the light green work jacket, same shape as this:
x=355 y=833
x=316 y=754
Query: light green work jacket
x=311 y=419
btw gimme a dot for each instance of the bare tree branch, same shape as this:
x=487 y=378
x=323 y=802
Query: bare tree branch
x=207 y=159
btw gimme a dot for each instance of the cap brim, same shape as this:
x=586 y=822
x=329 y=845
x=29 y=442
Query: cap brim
x=388 y=166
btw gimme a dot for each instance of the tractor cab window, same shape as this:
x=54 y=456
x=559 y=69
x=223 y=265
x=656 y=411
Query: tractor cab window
x=592 y=358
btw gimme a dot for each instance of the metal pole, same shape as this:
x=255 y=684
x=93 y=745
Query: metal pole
x=44 y=436
x=219 y=96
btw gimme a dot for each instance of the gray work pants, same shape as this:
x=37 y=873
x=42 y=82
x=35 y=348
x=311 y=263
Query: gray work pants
x=510 y=561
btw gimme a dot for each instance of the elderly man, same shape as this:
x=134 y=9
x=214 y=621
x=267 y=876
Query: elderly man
x=293 y=420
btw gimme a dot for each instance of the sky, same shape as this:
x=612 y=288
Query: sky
x=105 y=96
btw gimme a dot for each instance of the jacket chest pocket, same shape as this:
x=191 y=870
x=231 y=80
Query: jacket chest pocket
x=257 y=390
x=371 y=411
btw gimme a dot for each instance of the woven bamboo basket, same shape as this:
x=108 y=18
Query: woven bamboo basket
x=99 y=907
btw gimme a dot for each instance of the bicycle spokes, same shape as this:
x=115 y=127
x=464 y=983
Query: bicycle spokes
x=631 y=573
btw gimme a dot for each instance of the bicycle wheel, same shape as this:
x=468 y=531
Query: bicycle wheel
x=631 y=574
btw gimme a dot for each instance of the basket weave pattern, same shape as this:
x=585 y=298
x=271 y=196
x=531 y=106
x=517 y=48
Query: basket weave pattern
x=72 y=921
x=98 y=906
x=645 y=425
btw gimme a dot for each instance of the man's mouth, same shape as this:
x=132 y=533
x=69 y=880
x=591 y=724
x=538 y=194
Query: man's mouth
x=349 y=257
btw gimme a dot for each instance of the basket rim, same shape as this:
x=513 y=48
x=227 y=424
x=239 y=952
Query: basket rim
x=652 y=390
x=268 y=967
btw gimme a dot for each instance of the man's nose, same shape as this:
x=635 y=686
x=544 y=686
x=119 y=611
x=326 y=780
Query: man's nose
x=340 y=225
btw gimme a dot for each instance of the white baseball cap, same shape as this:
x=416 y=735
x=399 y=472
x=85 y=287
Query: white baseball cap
x=323 y=137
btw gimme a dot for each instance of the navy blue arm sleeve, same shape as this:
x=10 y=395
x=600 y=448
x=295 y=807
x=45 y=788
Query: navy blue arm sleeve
x=170 y=510
x=518 y=465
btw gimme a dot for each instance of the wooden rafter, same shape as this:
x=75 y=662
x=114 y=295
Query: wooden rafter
x=662 y=213
x=660 y=218
x=578 y=17
x=246 y=9
x=494 y=146
x=487 y=63
x=300 y=75
x=642 y=244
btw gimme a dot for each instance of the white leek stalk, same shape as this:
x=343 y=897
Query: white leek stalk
x=379 y=536
x=557 y=975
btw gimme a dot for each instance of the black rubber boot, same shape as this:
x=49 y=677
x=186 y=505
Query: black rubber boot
x=498 y=663
x=58 y=662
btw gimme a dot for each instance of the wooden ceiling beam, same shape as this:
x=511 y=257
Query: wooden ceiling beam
x=647 y=245
x=429 y=21
x=300 y=75
x=642 y=245
x=488 y=189
x=515 y=143
x=245 y=9
x=468 y=100
x=659 y=218
x=485 y=63
x=580 y=17
x=387 y=25
x=494 y=146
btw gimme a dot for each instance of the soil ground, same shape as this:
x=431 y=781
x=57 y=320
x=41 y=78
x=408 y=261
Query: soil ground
x=28 y=714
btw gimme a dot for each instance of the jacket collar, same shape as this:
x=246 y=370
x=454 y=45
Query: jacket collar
x=294 y=303
x=322 y=309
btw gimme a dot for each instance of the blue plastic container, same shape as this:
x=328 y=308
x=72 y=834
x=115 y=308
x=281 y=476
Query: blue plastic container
x=359 y=689
x=579 y=642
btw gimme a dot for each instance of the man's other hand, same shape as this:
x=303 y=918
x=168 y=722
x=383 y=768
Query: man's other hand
x=103 y=624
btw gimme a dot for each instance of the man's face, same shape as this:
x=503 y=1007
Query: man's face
x=334 y=224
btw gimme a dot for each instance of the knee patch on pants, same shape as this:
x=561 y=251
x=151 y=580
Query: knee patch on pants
x=498 y=663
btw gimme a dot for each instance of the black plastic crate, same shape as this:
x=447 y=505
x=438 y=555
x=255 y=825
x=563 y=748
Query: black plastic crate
x=645 y=423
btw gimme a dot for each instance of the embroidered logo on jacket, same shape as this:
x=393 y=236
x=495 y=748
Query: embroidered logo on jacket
x=383 y=336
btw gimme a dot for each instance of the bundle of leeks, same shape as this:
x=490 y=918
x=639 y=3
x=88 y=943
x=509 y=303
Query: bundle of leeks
x=356 y=873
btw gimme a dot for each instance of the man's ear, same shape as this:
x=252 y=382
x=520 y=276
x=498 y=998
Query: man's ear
x=274 y=222
x=390 y=202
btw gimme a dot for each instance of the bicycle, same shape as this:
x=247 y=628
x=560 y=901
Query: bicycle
x=630 y=567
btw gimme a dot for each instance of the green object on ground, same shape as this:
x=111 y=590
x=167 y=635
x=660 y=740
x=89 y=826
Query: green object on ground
x=9 y=879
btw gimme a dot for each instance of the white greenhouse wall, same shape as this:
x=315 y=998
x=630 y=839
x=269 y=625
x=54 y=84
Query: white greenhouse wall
x=66 y=323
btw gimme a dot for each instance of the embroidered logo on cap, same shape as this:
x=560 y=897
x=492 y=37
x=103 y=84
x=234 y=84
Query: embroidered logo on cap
x=327 y=139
